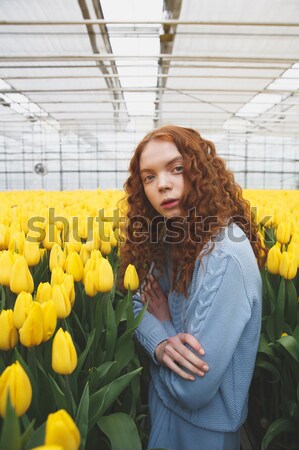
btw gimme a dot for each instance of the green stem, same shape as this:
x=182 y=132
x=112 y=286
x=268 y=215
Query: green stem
x=69 y=396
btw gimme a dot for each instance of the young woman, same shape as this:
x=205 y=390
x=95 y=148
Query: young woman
x=201 y=329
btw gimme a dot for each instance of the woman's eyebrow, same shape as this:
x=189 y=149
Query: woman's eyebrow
x=177 y=158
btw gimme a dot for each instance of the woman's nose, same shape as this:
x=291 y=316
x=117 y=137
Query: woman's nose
x=164 y=183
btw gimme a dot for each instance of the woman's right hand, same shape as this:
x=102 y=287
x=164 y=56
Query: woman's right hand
x=174 y=354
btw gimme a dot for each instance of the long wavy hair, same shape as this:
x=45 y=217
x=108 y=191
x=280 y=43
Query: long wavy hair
x=210 y=193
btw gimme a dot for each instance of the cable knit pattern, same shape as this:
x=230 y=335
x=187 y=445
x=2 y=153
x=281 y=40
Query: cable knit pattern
x=223 y=311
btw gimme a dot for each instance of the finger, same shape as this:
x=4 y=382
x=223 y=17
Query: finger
x=168 y=362
x=187 y=338
x=192 y=366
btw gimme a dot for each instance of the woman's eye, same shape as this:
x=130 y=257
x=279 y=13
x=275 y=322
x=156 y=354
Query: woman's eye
x=148 y=178
x=178 y=169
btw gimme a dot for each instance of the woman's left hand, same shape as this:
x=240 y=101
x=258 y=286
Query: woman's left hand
x=156 y=300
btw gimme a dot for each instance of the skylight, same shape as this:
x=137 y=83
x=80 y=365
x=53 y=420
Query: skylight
x=259 y=104
x=20 y=104
x=136 y=73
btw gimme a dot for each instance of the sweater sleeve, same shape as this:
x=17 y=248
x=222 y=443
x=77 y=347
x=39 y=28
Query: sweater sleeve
x=217 y=315
x=151 y=332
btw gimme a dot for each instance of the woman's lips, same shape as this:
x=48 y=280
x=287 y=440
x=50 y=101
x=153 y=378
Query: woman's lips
x=170 y=204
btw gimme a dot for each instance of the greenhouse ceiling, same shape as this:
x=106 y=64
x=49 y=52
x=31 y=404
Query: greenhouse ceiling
x=104 y=72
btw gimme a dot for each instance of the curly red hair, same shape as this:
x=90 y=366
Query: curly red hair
x=210 y=192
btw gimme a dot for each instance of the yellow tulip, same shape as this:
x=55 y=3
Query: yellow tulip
x=89 y=283
x=52 y=236
x=105 y=247
x=3 y=237
x=288 y=266
x=6 y=263
x=283 y=232
x=22 y=305
x=293 y=248
x=49 y=319
x=21 y=278
x=62 y=430
x=57 y=276
x=31 y=253
x=74 y=266
x=44 y=292
x=57 y=257
x=32 y=331
x=15 y=381
x=104 y=277
x=9 y=333
x=48 y=447
x=68 y=283
x=84 y=254
x=273 y=259
x=131 y=279
x=61 y=301
x=64 y=355
x=16 y=242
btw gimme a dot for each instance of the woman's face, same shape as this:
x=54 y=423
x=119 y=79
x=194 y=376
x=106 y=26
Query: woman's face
x=161 y=170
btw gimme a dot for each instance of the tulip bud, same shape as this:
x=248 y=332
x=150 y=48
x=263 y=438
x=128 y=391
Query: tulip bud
x=84 y=254
x=57 y=257
x=288 y=266
x=89 y=283
x=3 y=237
x=15 y=381
x=49 y=319
x=9 y=333
x=104 y=279
x=273 y=259
x=16 y=242
x=75 y=266
x=57 y=276
x=32 y=330
x=52 y=237
x=105 y=247
x=61 y=301
x=283 y=232
x=21 y=278
x=293 y=248
x=68 y=283
x=131 y=279
x=6 y=263
x=48 y=447
x=64 y=355
x=31 y=253
x=22 y=305
x=62 y=430
x=44 y=292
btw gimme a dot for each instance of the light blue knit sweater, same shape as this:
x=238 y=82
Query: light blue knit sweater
x=223 y=311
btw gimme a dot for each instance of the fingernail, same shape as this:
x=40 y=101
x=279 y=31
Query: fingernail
x=201 y=351
x=205 y=367
x=192 y=378
x=201 y=374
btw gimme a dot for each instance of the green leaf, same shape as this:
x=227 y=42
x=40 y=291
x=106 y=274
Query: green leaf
x=103 y=399
x=11 y=431
x=291 y=303
x=279 y=426
x=37 y=438
x=120 y=311
x=98 y=374
x=2 y=297
x=58 y=394
x=274 y=372
x=27 y=433
x=126 y=437
x=291 y=346
x=279 y=310
x=111 y=331
x=264 y=346
x=84 y=354
x=82 y=416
